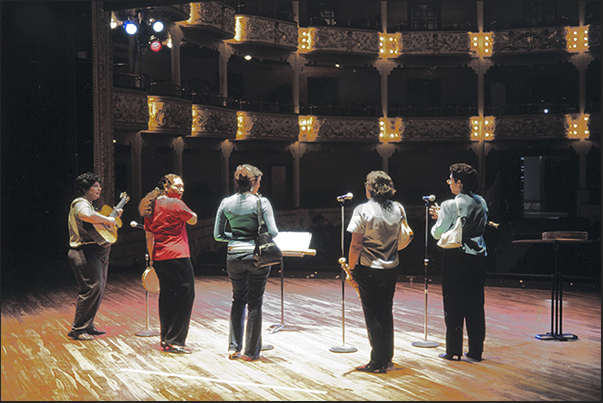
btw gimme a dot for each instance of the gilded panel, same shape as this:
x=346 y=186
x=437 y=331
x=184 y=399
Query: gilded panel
x=343 y=40
x=436 y=129
x=435 y=42
x=169 y=115
x=269 y=31
x=283 y=127
x=529 y=127
x=214 y=122
x=213 y=14
x=530 y=39
x=349 y=129
x=130 y=110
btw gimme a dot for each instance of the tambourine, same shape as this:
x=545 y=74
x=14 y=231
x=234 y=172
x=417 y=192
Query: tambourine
x=149 y=280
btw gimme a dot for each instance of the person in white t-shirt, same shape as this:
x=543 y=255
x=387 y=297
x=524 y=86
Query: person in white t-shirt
x=373 y=260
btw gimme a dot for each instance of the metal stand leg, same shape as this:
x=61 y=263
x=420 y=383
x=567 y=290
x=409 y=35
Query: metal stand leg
x=556 y=332
x=147 y=332
x=343 y=348
x=281 y=326
x=425 y=342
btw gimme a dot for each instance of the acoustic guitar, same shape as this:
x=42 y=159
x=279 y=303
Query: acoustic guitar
x=107 y=234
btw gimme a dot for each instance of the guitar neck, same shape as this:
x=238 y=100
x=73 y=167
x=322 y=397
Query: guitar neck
x=120 y=205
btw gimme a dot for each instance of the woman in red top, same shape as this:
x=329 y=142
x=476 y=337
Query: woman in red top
x=165 y=216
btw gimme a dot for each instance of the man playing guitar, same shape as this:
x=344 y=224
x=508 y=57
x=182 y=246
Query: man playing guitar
x=89 y=259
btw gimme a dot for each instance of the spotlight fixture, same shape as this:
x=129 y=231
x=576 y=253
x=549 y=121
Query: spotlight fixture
x=155 y=45
x=114 y=20
x=247 y=57
x=157 y=25
x=130 y=27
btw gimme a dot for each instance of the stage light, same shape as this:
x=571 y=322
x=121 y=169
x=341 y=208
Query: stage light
x=130 y=27
x=157 y=26
x=155 y=45
x=247 y=57
x=114 y=20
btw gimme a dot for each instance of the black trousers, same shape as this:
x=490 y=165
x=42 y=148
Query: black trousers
x=176 y=297
x=463 y=280
x=377 y=288
x=90 y=265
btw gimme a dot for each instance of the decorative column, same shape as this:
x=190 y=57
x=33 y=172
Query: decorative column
x=294 y=61
x=102 y=81
x=226 y=147
x=136 y=143
x=577 y=43
x=178 y=146
x=297 y=150
x=225 y=52
x=385 y=150
x=481 y=49
x=384 y=67
x=177 y=35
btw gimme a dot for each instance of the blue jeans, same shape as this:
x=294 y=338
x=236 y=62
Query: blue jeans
x=248 y=285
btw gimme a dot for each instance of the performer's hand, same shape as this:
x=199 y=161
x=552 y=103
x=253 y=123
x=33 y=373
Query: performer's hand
x=434 y=211
x=119 y=211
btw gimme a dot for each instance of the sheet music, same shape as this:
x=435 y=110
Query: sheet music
x=294 y=242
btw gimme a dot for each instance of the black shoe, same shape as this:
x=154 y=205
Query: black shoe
x=95 y=332
x=473 y=357
x=450 y=357
x=168 y=348
x=375 y=369
x=80 y=336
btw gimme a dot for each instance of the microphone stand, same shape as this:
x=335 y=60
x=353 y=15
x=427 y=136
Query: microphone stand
x=343 y=348
x=425 y=342
x=146 y=332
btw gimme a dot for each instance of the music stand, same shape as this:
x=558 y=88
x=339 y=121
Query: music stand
x=343 y=348
x=291 y=244
x=556 y=332
x=425 y=342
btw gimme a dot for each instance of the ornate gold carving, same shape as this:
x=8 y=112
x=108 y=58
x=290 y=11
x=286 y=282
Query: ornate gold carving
x=435 y=42
x=169 y=115
x=213 y=14
x=213 y=122
x=345 y=40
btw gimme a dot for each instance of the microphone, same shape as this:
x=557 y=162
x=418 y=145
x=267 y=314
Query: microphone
x=134 y=224
x=347 y=196
x=430 y=198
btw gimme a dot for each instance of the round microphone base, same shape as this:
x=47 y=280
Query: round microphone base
x=343 y=349
x=147 y=333
x=425 y=343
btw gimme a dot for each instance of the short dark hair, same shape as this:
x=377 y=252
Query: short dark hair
x=466 y=174
x=380 y=185
x=85 y=181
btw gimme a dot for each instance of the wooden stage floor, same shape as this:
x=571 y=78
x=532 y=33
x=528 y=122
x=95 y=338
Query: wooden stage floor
x=40 y=363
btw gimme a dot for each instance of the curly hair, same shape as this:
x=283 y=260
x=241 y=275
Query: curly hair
x=380 y=186
x=147 y=204
x=85 y=181
x=466 y=174
x=244 y=176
